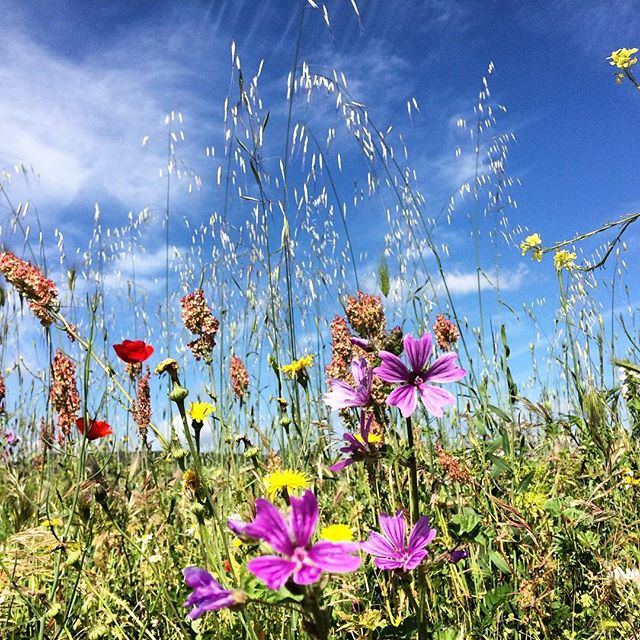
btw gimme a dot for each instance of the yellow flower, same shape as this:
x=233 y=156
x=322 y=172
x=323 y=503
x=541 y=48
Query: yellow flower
x=285 y=480
x=298 y=367
x=564 y=260
x=532 y=243
x=373 y=438
x=198 y=411
x=337 y=533
x=622 y=59
x=54 y=522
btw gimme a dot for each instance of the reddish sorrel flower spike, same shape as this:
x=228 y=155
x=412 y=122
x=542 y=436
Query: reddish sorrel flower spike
x=343 y=395
x=97 y=429
x=208 y=594
x=133 y=351
x=299 y=560
x=419 y=351
x=389 y=547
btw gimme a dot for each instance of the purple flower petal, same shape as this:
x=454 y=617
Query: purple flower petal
x=434 y=399
x=414 y=559
x=335 y=557
x=418 y=351
x=378 y=546
x=421 y=534
x=359 y=369
x=404 y=397
x=341 y=395
x=308 y=574
x=341 y=464
x=274 y=571
x=393 y=529
x=304 y=516
x=458 y=554
x=207 y=594
x=360 y=342
x=389 y=563
x=392 y=368
x=270 y=526
x=445 y=369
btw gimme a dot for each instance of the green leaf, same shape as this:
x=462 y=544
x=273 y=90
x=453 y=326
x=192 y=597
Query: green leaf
x=498 y=561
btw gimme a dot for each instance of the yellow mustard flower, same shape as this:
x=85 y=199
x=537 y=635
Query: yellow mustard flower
x=532 y=243
x=622 y=59
x=54 y=522
x=564 y=260
x=285 y=479
x=298 y=367
x=198 y=411
x=337 y=533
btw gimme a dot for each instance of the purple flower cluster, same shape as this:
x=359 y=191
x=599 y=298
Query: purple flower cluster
x=297 y=560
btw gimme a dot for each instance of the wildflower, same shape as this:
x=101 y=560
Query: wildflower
x=190 y=483
x=133 y=351
x=97 y=429
x=141 y=407
x=285 y=480
x=564 y=260
x=451 y=466
x=299 y=367
x=446 y=333
x=455 y=555
x=30 y=282
x=622 y=59
x=366 y=315
x=358 y=446
x=208 y=594
x=3 y=392
x=418 y=351
x=198 y=319
x=343 y=395
x=337 y=533
x=341 y=349
x=239 y=377
x=298 y=559
x=532 y=243
x=54 y=522
x=198 y=411
x=389 y=547
x=64 y=395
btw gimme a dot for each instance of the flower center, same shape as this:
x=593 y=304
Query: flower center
x=301 y=558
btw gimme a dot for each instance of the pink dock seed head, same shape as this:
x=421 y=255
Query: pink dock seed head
x=31 y=283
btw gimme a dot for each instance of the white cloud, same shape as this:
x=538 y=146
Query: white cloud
x=79 y=122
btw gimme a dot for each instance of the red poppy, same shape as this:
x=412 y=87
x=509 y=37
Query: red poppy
x=133 y=351
x=97 y=429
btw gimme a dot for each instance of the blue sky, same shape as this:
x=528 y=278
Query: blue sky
x=84 y=83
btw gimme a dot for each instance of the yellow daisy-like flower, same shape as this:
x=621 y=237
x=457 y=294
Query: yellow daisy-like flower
x=285 y=479
x=622 y=59
x=564 y=260
x=198 y=411
x=532 y=243
x=298 y=367
x=337 y=533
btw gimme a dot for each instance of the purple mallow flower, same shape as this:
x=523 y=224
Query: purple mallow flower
x=444 y=369
x=208 y=594
x=299 y=560
x=361 y=342
x=389 y=547
x=358 y=446
x=343 y=395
